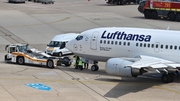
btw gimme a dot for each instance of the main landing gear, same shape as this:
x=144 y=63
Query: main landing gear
x=95 y=67
x=167 y=78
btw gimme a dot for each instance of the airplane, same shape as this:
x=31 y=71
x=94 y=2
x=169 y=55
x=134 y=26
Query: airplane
x=130 y=52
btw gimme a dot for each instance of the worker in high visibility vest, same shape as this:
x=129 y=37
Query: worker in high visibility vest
x=80 y=64
x=76 y=61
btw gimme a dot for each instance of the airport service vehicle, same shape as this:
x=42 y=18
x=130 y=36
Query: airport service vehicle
x=122 y=2
x=21 y=54
x=154 y=9
x=57 y=45
x=130 y=52
x=16 y=1
x=47 y=1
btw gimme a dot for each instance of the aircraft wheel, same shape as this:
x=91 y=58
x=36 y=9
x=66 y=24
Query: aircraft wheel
x=171 y=16
x=167 y=78
x=20 y=60
x=50 y=64
x=94 y=68
x=171 y=76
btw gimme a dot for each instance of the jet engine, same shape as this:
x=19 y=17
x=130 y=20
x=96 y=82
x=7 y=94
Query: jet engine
x=117 y=66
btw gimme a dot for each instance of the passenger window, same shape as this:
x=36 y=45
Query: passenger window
x=128 y=43
x=144 y=45
x=104 y=41
x=108 y=42
x=156 y=45
x=171 y=47
x=137 y=44
x=140 y=44
x=166 y=46
x=148 y=45
x=112 y=42
x=124 y=43
x=100 y=41
x=115 y=42
x=152 y=46
x=175 y=47
x=161 y=46
x=119 y=42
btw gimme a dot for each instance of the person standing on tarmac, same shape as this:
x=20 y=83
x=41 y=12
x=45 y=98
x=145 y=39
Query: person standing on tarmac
x=80 y=64
x=76 y=61
x=86 y=64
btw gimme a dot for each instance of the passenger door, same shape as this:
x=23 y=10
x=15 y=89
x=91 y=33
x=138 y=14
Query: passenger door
x=93 y=42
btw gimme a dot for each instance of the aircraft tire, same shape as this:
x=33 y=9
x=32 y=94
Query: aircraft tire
x=20 y=60
x=171 y=76
x=94 y=68
x=167 y=78
x=50 y=64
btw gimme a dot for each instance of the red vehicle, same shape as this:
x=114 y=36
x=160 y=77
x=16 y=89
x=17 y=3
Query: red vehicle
x=154 y=9
x=122 y=2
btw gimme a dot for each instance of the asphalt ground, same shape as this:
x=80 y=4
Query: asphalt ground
x=36 y=24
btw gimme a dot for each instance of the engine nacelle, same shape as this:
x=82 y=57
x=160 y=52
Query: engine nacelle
x=117 y=66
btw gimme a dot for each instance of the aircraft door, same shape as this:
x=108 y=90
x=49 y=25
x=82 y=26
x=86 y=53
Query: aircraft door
x=157 y=47
x=93 y=42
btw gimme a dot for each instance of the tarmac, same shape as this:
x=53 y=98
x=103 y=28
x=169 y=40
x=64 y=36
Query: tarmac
x=36 y=24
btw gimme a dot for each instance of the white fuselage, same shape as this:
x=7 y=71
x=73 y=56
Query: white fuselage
x=100 y=44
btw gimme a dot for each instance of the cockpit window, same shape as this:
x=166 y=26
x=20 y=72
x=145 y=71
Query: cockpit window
x=79 y=37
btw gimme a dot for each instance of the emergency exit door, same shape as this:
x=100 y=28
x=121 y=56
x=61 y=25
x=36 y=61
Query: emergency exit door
x=94 y=38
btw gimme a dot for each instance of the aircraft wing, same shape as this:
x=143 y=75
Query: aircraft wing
x=153 y=63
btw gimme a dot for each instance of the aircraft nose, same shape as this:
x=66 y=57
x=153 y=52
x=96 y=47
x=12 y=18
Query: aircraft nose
x=69 y=45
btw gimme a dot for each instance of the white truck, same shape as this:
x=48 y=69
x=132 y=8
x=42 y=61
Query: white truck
x=21 y=54
x=57 y=45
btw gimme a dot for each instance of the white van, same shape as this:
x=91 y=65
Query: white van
x=57 y=45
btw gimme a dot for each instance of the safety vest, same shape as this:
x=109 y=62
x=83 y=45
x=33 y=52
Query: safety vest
x=80 y=63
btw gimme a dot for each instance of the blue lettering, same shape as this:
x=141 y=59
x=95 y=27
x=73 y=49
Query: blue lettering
x=124 y=36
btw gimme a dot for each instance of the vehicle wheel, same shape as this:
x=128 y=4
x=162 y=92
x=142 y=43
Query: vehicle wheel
x=171 y=16
x=123 y=2
x=154 y=15
x=178 y=17
x=20 y=60
x=94 y=68
x=147 y=14
x=68 y=63
x=50 y=64
x=60 y=54
x=5 y=57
